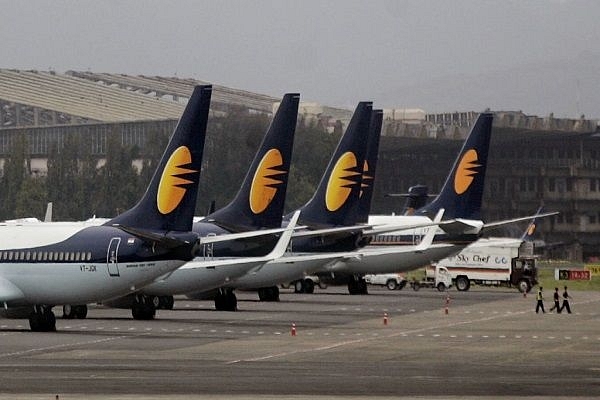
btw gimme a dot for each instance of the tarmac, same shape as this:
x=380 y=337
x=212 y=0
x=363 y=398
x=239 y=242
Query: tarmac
x=485 y=343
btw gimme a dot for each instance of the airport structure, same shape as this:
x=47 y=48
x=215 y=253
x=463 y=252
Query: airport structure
x=533 y=160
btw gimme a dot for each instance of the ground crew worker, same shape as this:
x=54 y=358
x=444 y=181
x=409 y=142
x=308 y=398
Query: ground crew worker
x=540 y=301
x=556 y=301
x=565 y=303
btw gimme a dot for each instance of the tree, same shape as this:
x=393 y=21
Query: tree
x=15 y=172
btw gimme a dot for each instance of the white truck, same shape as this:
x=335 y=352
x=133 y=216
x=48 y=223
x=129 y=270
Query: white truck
x=438 y=278
x=494 y=261
x=391 y=281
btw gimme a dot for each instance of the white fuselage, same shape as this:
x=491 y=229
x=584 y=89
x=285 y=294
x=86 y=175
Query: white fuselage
x=35 y=269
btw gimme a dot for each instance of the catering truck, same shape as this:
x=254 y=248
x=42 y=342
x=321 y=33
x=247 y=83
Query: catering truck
x=493 y=261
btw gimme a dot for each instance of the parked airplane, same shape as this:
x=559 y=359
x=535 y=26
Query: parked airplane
x=42 y=265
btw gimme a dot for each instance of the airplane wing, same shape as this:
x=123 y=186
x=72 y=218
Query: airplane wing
x=9 y=292
x=277 y=252
x=369 y=230
x=493 y=225
x=430 y=235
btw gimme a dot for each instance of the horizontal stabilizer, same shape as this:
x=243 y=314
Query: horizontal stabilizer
x=153 y=237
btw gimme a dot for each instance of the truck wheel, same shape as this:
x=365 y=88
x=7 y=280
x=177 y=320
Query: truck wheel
x=441 y=287
x=402 y=285
x=416 y=286
x=391 y=284
x=462 y=283
x=524 y=286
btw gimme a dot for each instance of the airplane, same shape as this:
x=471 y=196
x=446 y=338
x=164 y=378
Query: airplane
x=43 y=264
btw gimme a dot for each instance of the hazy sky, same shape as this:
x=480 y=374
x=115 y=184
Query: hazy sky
x=397 y=53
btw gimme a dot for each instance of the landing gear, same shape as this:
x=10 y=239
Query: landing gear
x=305 y=285
x=225 y=300
x=42 y=319
x=357 y=285
x=72 y=312
x=144 y=307
x=268 y=293
x=165 y=302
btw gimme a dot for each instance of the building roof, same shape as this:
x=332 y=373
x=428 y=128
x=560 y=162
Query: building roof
x=83 y=98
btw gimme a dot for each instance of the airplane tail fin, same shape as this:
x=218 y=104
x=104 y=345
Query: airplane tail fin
x=260 y=200
x=335 y=201
x=370 y=166
x=462 y=193
x=170 y=200
x=416 y=198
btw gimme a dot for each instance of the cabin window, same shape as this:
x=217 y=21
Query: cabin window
x=45 y=256
x=28 y=256
x=55 y=255
x=89 y=256
x=34 y=256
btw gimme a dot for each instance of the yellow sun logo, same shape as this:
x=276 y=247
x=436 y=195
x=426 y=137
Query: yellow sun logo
x=171 y=188
x=466 y=172
x=343 y=178
x=264 y=186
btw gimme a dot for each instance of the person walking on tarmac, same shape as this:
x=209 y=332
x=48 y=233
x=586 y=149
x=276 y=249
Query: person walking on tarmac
x=556 y=301
x=565 y=303
x=540 y=301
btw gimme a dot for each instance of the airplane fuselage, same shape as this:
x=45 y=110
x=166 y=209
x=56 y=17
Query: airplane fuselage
x=70 y=264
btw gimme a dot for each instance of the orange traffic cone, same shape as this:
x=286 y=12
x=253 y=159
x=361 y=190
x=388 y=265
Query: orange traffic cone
x=447 y=303
x=293 y=329
x=385 y=319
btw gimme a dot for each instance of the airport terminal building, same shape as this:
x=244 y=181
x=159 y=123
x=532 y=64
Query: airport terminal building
x=533 y=161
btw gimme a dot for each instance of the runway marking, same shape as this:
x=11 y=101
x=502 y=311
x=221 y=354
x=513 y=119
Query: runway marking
x=64 y=345
x=418 y=332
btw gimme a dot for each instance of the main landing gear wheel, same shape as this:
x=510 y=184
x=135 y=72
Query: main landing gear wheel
x=143 y=308
x=304 y=286
x=72 y=312
x=225 y=300
x=268 y=293
x=166 y=302
x=357 y=286
x=42 y=319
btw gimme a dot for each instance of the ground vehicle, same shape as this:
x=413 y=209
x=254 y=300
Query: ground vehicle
x=438 y=278
x=494 y=261
x=391 y=281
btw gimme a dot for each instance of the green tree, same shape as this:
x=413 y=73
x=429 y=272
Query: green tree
x=15 y=171
x=31 y=199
